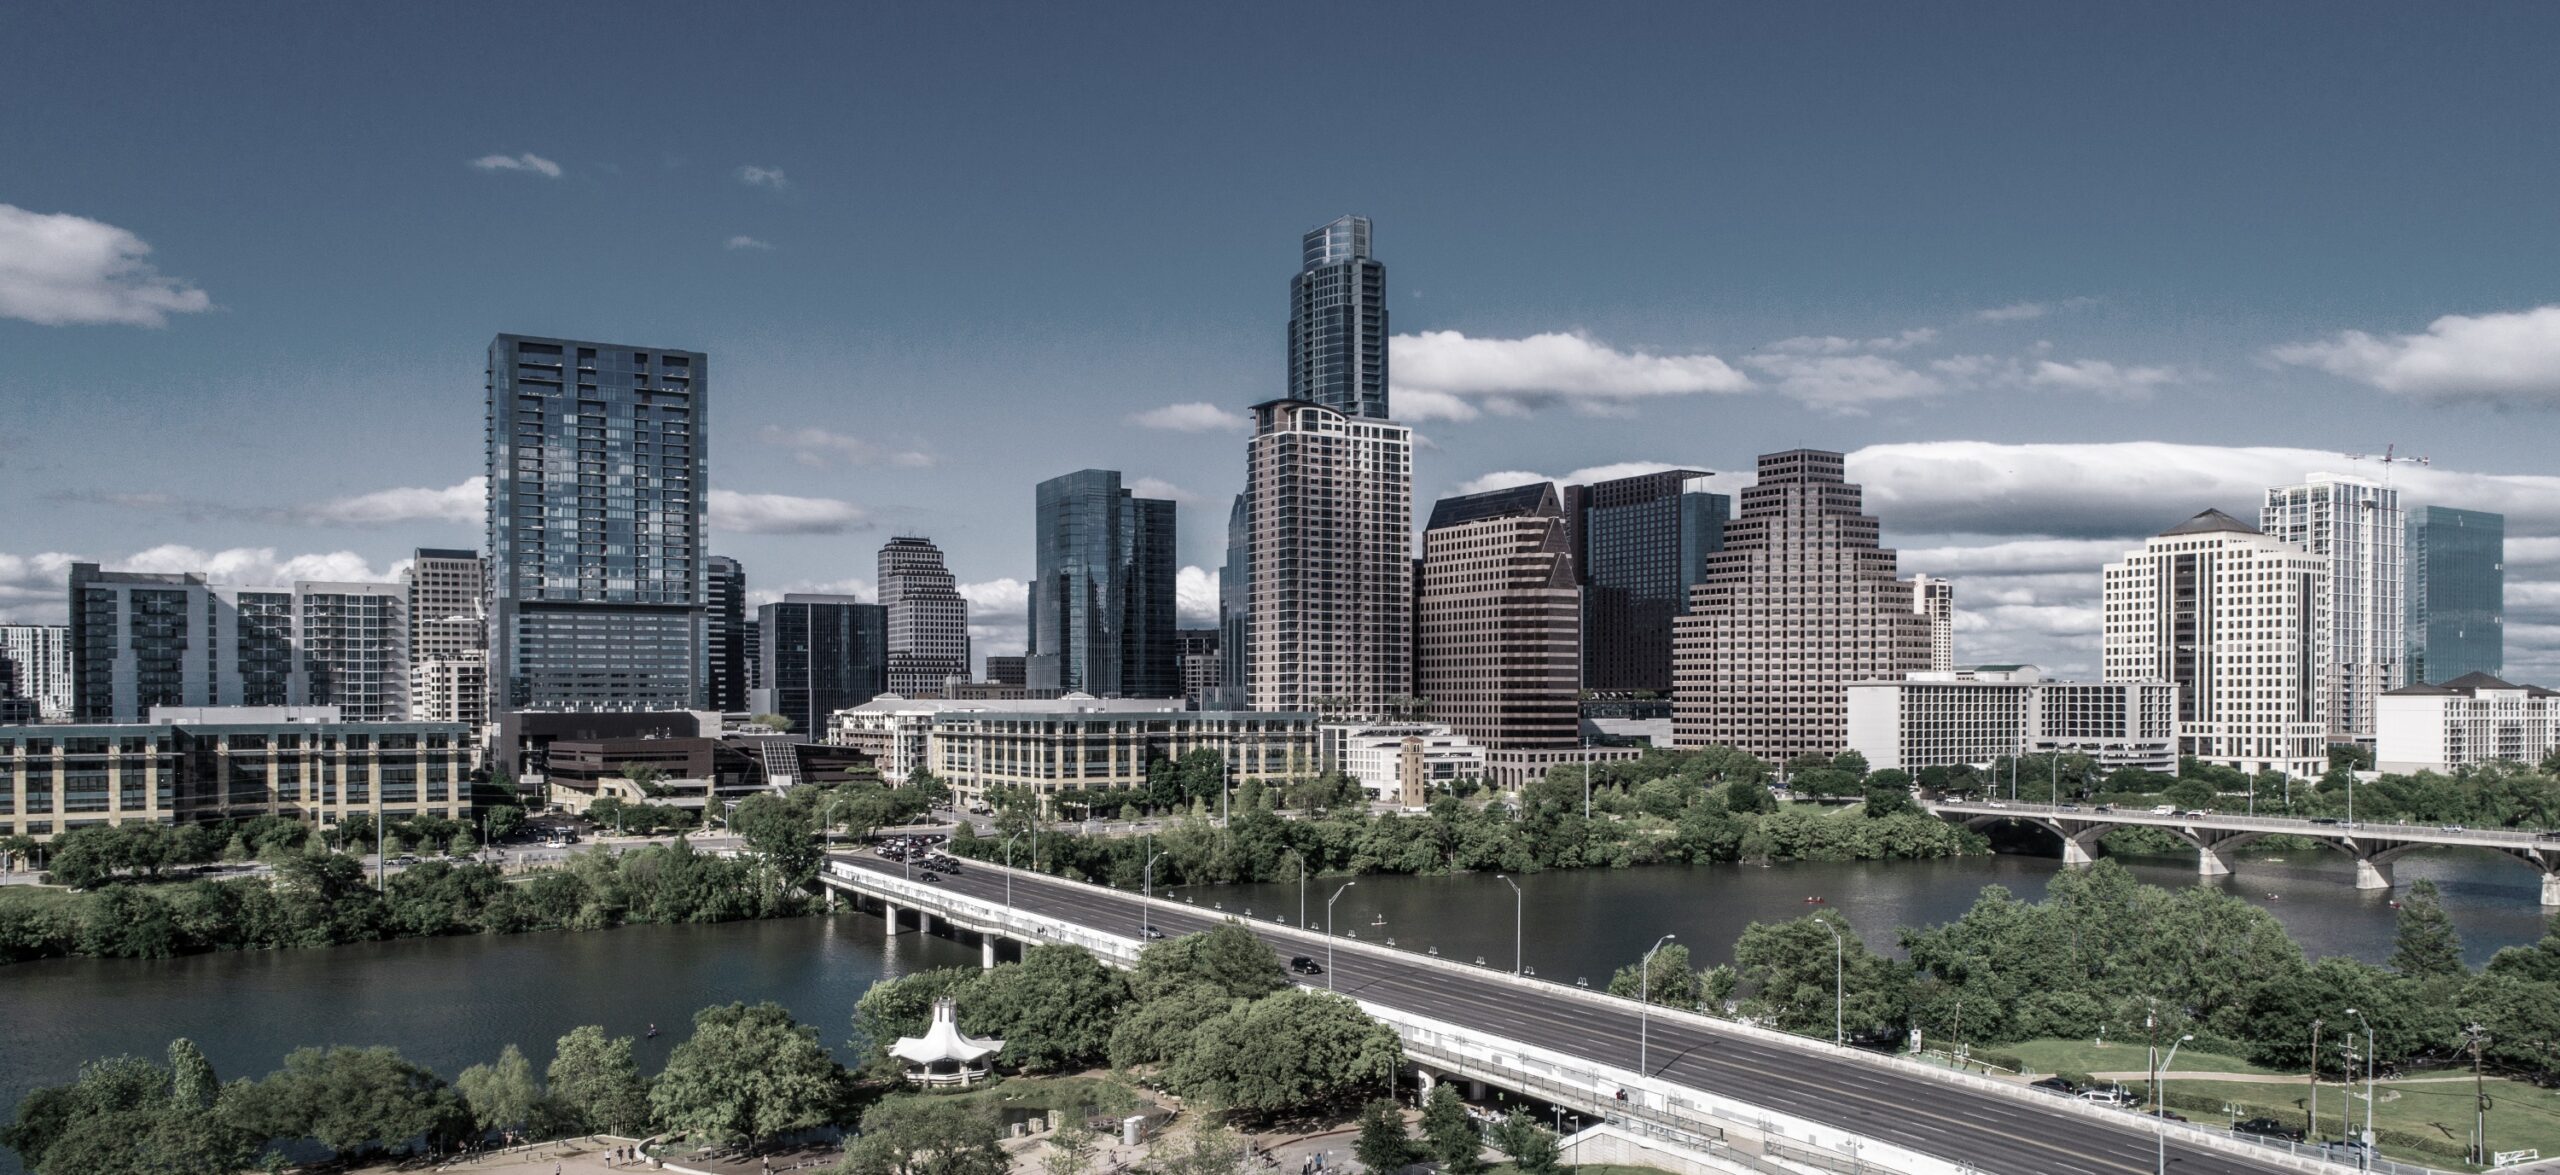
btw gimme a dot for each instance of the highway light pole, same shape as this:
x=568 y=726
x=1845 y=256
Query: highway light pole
x=2160 y=1125
x=1839 y=989
x=2364 y=1157
x=2477 y=1036
x=1147 y=886
x=1302 y=887
x=2315 y=1079
x=1519 y=911
x=1644 y=1007
x=1328 y=932
x=1008 y=871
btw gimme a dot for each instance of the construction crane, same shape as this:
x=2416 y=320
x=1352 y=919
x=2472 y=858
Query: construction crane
x=2389 y=456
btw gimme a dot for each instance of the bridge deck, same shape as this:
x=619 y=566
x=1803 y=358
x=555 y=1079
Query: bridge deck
x=1995 y=1134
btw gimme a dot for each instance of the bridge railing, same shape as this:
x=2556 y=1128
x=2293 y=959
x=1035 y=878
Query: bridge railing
x=2501 y=837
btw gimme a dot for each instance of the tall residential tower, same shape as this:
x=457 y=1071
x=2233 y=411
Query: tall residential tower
x=928 y=621
x=2358 y=525
x=2457 y=594
x=1329 y=606
x=1338 y=321
x=2235 y=619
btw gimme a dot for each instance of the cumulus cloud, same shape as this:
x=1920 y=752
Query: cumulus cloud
x=526 y=162
x=1193 y=416
x=1844 y=385
x=34 y=589
x=1836 y=345
x=1447 y=375
x=1157 y=487
x=743 y=513
x=999 y=616
x=750 y=243
x=1195 y=597
x=1506 y=478
x=819 y=447
x=2012 y=557
x=2510 y=358
x=464 y=501
x=62 y=270
x=763 y=177
x=2100 y=377
x=2013 y=312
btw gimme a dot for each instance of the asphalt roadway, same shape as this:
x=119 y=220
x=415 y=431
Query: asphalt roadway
x=1998 y=1136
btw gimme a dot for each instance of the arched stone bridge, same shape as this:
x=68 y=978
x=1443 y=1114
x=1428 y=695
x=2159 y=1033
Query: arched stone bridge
x=2372 y=846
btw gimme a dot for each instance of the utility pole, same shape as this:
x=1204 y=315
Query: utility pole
x=2315 y=1077
x=2477 y=1036
x=1644 y=1007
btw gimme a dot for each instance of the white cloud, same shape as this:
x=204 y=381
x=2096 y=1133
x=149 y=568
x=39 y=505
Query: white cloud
x=997 y=596
x=2014 y=312
x=464 y=501
x=1157 y=487
x=763 y=177
x=1195 y=596
x=1845 y=385
x=1836 y=345
x=818 y=447
x=527 y=161
x=65 y=270
x=856 y=586
x=783 y=514
x=2013 y=556
x=1190 y=417
x=746 y=242
x=1446 y=375
x=2099 y=376
x=2510 y=358
x=1507 y=478
x=999 y=616
x=34 y=588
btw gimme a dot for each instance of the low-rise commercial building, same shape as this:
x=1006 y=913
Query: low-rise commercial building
x=1988 y=712
x=1403 y=763
x=1072 y=743
x=2470 y=720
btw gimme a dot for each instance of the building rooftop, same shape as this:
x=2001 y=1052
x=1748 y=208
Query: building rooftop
x=1512 y=502
x=2468 y=685
x=2211 y=522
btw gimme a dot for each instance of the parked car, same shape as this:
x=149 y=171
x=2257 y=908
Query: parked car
x=1305 y=966
x=2108 y=1095
x=2267 y=1128
x=2055 y=1085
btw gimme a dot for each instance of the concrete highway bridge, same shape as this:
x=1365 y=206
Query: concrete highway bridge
x=2371 y=846
x=1700 y=1094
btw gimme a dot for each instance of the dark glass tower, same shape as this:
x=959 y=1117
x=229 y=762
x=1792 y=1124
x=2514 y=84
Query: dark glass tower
x=1338 y=322
x=725 y=620
x=596 y=501
x=820 y=654
x=2457 y=597
x=1235 y=613
x=1102 y=601
x=1640 y=544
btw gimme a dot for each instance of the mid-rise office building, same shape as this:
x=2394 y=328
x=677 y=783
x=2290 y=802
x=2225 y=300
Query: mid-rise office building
x=1203 y=667
x=1072 y=743
x=1802 y=601
x=1497 y=620
x=448 y=635
x=597 y=493
x=724 y=617
x=928 y=620
x=2358 y=526
x=821 y=654
x=1009 y=671
x=1403 y=763
x=1330 y=601
x=2235 y=619
x=1640 y=544
x=1972 y=717
x=1936 y=600
x=754 y=649
x=449 y=690
x=40 y=655
x=354 y=641
x=2465 y=722
x=145 y=639
x=2457 y=594
x=1338 y=321
x=1103 y=590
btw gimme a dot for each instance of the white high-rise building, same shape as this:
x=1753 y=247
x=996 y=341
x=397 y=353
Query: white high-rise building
x=2361 y=527
x=928 y=619
x=1936 y=599
x=1330 y=552
x=448 y=635
x=42 y=655
x=354 y=642
x=2236 y=619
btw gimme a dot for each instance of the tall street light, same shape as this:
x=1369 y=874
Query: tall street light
x=1644 y=1007
x=2364 y=1156
x=1519 y=911
x=1328 y=932
x=1302 y=886
x=2315 y=1078
x=2160 y=1125
x=1008 y=871
x=2476 y=1037
x=1147 y=884
x=1839 y=989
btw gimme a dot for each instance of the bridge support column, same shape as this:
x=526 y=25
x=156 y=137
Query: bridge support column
x=1423 y=1080
x=2076 y=855
x=2551 y=888
x=889 y=917
x=2372 y=876
x=2210 y=863
x=1475 y=1091
x=987 y=952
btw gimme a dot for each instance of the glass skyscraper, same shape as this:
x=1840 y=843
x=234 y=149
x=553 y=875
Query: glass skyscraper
x=1338 y=322
x=596 y=471
x=2457 y=593
x=725 y=615
x=1102 y=600
x=820 y=654
x=1640 y=544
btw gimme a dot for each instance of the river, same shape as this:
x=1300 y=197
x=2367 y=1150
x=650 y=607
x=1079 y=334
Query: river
x=450 y=1002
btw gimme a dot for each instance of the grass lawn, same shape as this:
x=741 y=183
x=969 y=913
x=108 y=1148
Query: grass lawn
x=39 y=897
x=2521 y=1117
x=2079 y=1056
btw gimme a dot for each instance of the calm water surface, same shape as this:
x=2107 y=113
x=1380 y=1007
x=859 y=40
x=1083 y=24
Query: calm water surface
x=448 y=1003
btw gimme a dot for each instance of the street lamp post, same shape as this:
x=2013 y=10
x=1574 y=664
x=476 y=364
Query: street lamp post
x=1302 y=887
x=2477 y=1037
x=2160 y=1125
x=1519 y=911
x=2364 y=1157
x=2315 y=1078
x=1008 y=871
x=1147 y=887
x=1644 y=1007
x=1328 y=932
x=1839 y=986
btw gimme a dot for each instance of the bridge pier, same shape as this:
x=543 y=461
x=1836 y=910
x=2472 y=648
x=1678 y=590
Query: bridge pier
x=2076 y=855
x=987 y=952
x=2210 y=864
x=889 y=918
x=2372 y=876
x=2551 y=888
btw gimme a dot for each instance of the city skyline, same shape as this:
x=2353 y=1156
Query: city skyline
x=2023 y=400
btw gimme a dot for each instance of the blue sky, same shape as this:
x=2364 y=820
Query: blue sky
x=941 y=252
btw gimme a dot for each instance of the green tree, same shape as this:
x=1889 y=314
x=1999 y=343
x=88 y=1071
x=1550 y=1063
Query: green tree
x=1450 y=1134
x=747 y=1073
x=1796 y=972
x=1667 y=980
x=1383 y=1146
x=596 y=1084
x=774 y=722
x=1227 y=957
x=357 y=1100
x=1160 y=1030
x=502 y=1096
x=2427 y=942
x=192 y=1083
x=926 y=1136
x=1070 y=1150
x=1532 y=1147
x=904 y=1007
x=1889 y=801
x=782 y=835
x=1054 y=1009
x=1288 y=1050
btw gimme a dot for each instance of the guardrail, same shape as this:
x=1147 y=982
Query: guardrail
x=2292 y=824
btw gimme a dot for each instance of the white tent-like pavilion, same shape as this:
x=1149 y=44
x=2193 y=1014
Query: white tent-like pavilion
x=943 y=1056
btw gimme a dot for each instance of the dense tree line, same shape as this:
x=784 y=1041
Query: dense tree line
x=1669 y=806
